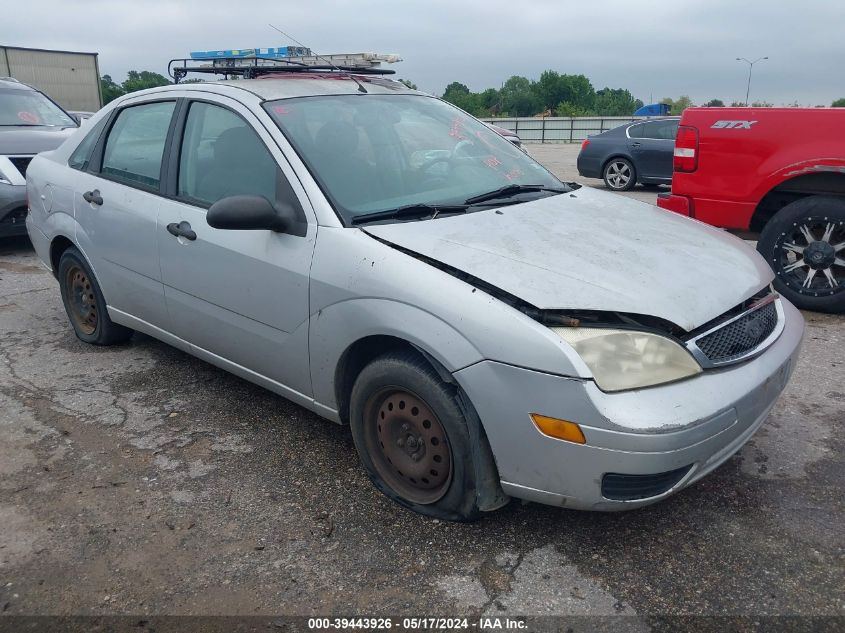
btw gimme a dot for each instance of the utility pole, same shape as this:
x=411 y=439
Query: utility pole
x=750 y=68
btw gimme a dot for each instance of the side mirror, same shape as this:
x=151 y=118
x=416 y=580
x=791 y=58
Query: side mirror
x=250 y=213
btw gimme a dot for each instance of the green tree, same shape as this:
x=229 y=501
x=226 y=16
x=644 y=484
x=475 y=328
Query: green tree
x=551 y=89
x=715 y=103
x=408 y=83
x=458 y=94
x=581 y=91
x=110 y=90
x=142 y=80
x=615 y=102
x=491 y=100
x=554 y=89
x=839 y=103
x=737 y=104
x=567 y=108
x=676 y=107
x=519 y=97
x=762 y=104
x=455 y=88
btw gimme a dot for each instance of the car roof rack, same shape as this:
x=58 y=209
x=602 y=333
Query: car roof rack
x=252 y=63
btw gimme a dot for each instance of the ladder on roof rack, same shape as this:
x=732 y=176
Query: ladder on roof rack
x=255 y=64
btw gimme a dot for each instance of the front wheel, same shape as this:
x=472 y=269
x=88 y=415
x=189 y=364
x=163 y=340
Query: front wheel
x=412 y=437
x=804 y=243
x=619 y=175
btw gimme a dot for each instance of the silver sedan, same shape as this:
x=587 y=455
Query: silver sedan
x=387 y=261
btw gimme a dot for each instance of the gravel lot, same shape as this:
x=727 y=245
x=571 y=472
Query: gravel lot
x=139 y=480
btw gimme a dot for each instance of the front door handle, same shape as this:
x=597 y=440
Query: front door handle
x=183 y=229
x=93 y=197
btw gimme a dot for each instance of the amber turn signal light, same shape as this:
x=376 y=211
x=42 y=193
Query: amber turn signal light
x=559 y=429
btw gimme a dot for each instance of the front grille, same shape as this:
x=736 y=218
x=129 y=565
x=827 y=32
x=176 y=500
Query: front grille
x=739 y=337
x=21 y=163
x=619 y=487
x=15 y=216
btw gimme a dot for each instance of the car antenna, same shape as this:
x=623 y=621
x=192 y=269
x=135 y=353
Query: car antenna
x=330 y=62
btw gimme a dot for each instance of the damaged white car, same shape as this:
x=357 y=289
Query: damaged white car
x=389 y=262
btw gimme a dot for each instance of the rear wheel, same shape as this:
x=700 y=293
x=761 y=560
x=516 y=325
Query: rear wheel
x=619 y=174
x=804 y=244
x=412 y=437
x=84 y=302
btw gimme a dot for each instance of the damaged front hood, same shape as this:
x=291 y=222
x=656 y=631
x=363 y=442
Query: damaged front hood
x=592 y=250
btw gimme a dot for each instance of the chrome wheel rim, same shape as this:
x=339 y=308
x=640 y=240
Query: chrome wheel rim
x=82 y=303
x=618 y=174
x=810 y=257
x=408 y=445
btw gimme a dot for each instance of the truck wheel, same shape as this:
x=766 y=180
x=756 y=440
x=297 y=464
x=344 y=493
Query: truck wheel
x=804 y=244
x=619 y=174
x=412 y=437
x=85 y=304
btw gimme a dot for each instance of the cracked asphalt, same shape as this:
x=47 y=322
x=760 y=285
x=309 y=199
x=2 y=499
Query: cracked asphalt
x=138 y=480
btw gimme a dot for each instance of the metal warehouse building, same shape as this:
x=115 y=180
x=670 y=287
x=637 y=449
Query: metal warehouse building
x=71 y=79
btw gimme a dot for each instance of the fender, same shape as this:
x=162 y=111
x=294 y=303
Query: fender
x=794 y=170
x=338 y=326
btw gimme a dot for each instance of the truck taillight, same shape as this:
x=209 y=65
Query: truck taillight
x=584 y=144
x=686 y=149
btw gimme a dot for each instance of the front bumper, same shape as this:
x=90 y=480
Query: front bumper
x=12 y=210
x=694 y=424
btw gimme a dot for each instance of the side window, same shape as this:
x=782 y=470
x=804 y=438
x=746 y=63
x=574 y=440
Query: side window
x=135 y=144
x=636 y=131
x=661 y=130
x=222 y=156
x=670 y=130
x=82 y=154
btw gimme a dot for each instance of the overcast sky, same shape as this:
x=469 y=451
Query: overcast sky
x=652 y=48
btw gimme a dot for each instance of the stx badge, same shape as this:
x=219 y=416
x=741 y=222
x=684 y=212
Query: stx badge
x=728 y=125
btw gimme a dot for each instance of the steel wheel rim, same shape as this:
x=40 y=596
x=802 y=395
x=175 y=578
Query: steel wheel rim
x=618 y=174
x=408 y=445
x=809 y=257
x=82 y=302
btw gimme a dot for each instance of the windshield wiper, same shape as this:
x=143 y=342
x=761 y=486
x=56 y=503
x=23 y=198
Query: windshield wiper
x=511 y=190
x=410 y=211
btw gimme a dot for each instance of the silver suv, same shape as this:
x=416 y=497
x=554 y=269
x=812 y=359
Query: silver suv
x=389 y=262
x=29 y=123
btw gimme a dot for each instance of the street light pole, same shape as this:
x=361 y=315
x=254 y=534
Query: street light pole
x=750 y=68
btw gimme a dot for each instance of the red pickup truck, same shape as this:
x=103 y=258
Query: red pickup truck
x=778 y=173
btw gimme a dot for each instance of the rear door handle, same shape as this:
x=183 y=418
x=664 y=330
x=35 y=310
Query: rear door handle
x=635 y=144
x=183 y=229
x=93 y=197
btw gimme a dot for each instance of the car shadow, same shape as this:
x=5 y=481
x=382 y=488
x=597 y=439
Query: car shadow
x=15 y=245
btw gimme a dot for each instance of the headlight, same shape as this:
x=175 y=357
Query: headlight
x=3 y=178
x=627 y=359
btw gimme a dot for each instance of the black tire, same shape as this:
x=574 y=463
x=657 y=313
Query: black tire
x=411 y=377
x=816 y=226
x=84 y=302
x=619 y=174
